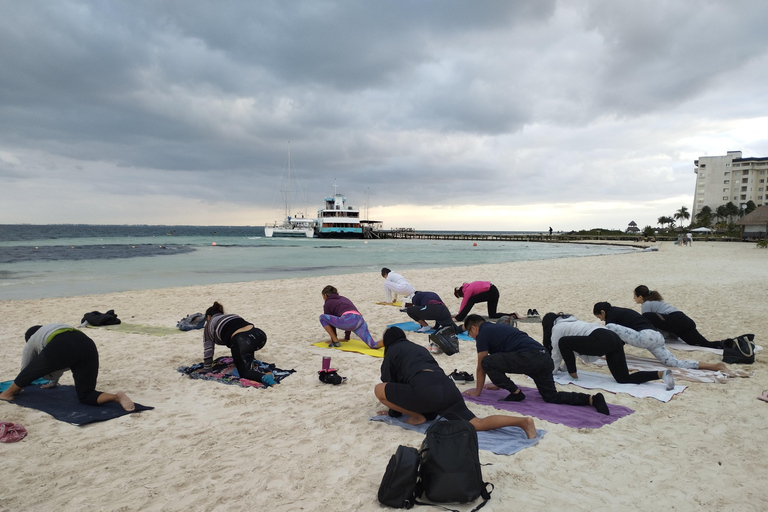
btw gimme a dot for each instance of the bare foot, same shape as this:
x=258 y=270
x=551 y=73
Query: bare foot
x=383 y=413
x=492 y=387
x=529 y=428
x=125 y=402
x=418 y=419
x=7 y=396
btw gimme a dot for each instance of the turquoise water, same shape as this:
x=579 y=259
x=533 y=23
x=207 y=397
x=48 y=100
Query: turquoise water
x=73 y=265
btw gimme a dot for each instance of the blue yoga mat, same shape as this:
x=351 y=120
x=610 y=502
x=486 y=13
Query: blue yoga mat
x=61 y=403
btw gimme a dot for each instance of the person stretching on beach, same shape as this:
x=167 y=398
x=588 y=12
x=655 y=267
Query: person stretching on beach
x=414 y=384
x=339 y=312
x=395 y=284
x=475 y=292
x=670 y=319
x=429 y=306
x=242 y=338
x=53 y=348
x=565 y=337
x=503 y=349
x=634 y=329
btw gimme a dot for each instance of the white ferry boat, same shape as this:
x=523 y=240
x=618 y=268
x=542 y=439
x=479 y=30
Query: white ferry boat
x=337 y=220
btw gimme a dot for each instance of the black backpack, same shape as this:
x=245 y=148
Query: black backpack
x=450 y=466
x=398 y=488
x=446 y=469
x=446 y=339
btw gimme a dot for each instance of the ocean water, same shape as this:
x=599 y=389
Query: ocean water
x=69 y=260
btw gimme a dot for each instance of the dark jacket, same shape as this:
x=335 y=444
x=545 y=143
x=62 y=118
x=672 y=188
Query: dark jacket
x=404 y=359
x=337 y=305
x=628 y=318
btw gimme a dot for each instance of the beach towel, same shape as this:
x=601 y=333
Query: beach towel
x=501 y=441
x=354 y=346
x=11 y=432
x=412 y=326
x=61 y=402
x=691 y=375
x=152 y=330
x=533 y=405
x=5 y=385
x=680 y=345
x=223 y=370
x=191 y=322
x=592 y=380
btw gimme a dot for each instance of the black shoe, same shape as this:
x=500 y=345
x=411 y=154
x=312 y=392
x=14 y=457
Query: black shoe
x=331 y=377
x=514 y=397
x=534 y=312
x=458 y=377
x=468 y=377
x=529 y=312
x=598 y=402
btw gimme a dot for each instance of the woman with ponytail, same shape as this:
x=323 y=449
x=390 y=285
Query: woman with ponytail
x=242 y=338
x=670 y=319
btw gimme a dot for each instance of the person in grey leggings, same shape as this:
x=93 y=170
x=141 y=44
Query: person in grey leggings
x=636 y=330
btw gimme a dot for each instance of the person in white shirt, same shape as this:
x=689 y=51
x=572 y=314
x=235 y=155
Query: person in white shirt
x=394 y=285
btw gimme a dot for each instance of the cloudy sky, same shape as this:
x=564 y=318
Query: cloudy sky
x=436 y=114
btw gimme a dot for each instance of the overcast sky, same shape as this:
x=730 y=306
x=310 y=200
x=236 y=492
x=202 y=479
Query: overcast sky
x=451 y=115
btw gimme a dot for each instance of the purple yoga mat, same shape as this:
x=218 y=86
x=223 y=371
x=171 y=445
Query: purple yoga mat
x=534 y=405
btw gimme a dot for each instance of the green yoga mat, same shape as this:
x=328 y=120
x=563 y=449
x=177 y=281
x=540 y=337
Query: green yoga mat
x=152 y=330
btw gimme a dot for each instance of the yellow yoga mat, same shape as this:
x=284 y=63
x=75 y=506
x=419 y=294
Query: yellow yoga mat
x=354 y=346
x=396 y=304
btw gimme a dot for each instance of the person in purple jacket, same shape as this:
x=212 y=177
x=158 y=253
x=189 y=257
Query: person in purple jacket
x=339 y=312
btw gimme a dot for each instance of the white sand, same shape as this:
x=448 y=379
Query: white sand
x=305 y=445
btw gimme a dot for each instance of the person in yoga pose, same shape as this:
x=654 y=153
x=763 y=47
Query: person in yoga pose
x=414 y=384
x=474 y=293
x=53 y=348
x=429 y=306
x=503 y=349
x=565 y=337
x=339 y=312
x=395 y=284
x=670 y=319
x=242 y=338
x=634 y=329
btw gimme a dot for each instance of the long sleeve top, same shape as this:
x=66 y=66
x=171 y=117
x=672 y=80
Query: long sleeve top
x=628 y=318
x=426 y=298
x=218 y=331
x=657 y=306
x=404 y=359
x=570 y=326
x=473 y=288
x=38 y=341
x=337 y=305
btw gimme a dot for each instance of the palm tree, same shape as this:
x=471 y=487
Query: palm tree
x=721 y=212
x=704 y=217
x=665 y=220
x=682 y=214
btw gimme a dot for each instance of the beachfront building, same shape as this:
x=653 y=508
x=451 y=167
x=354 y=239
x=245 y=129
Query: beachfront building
x=729 y=178
x=755 y=224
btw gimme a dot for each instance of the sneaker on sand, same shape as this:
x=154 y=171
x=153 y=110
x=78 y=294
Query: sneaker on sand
x=458 y=377
x=434 y=348
x=668 y=379
x=426 y=328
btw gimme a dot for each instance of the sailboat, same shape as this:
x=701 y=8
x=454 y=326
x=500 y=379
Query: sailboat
x=292 y=226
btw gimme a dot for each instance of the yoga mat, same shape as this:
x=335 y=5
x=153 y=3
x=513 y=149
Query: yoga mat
x=574 y=416
x=592 y=380
x=61 y=403
x=5 y=385
x=396 y=304
x=152 y=330
x=501 y=441
x=354 y=346
x=412 y=326
x=223 y=370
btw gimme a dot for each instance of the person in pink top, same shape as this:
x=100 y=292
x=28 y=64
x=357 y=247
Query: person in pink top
x=475 y=292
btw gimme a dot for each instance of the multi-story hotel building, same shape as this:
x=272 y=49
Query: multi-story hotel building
x=720 y=179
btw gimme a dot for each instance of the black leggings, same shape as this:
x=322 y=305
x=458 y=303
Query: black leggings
x=428 y=392
x=438 y=312
x=679 y=324
x=243 y=345
x=602 y=342
x=538 y=366
x=73 y=350
x=491 y=297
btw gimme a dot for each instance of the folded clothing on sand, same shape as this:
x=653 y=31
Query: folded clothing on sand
x=61 y=403
x=223 y=370
x=501 y=441
x=533 y=405
x=11 y=432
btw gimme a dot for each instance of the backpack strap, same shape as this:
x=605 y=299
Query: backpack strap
x=485 y=494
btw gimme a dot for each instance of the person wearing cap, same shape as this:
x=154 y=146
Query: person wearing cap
x=395 y=284
x=414 y=384
x=52 y=349
x=242 y=338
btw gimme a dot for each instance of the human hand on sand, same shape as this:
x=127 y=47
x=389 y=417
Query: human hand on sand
x=472 y=392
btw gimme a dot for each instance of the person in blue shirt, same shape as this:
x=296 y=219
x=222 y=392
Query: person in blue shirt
x=503 y=349
x=429 y=306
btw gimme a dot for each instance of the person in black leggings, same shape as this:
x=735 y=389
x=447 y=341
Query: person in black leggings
x=414 y=384
x=242 y=338
x=51 y=349
x=474 y=293
x=565 y=337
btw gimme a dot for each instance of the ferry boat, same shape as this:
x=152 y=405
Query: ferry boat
x=337 y=220
x=296 y=226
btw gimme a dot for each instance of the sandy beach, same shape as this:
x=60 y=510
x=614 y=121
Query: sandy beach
x=305 y=445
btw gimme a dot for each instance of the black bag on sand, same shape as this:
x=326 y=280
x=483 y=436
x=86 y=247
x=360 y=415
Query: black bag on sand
x=739 y=351
x=446 y=339
x=399 y=486
x=450 y=465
